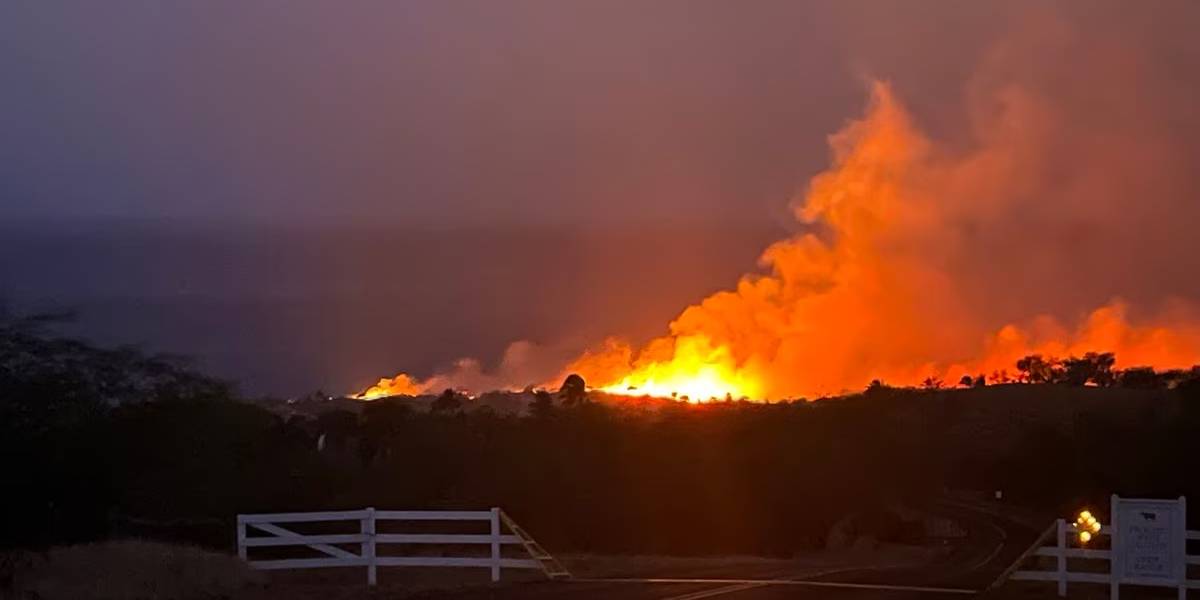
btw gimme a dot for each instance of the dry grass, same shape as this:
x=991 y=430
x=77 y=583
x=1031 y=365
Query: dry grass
x=131 y=570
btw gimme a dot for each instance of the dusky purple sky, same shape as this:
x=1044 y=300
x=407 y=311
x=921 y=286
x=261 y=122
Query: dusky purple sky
x=451 y=112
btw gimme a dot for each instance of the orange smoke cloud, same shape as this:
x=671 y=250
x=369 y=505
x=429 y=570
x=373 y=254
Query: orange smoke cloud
x=870 y=295
x=1170 y=341
x=880 y=285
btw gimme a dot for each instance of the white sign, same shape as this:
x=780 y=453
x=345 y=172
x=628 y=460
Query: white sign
x=1149 y=541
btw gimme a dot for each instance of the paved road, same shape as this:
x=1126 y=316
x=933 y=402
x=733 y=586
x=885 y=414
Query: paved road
x=992 y=543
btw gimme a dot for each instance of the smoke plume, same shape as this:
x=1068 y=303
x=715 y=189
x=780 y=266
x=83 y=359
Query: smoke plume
x=1051 y=222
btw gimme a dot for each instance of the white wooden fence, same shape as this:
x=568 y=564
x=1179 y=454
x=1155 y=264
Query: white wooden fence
x=1063 y=550
x=368 y=541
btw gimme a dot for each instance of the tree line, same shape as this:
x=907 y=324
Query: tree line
x=103 y=442
x=1093 y=368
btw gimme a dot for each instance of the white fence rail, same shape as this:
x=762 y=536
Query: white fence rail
x=1062 y=551
x=368 y=541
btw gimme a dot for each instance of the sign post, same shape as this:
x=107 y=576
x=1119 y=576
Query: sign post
x=1149 y=540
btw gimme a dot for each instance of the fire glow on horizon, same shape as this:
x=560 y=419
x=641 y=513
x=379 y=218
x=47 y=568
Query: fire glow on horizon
x=871 y=291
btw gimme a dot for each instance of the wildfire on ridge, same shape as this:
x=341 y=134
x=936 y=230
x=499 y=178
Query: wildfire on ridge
x=877 y=288
x=697 y=372
x=400 y=385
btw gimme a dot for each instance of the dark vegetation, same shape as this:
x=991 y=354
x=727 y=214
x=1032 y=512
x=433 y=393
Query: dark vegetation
x=100 y=443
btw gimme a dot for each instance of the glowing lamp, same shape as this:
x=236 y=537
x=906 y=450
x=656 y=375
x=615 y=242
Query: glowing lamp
x=1087 y=525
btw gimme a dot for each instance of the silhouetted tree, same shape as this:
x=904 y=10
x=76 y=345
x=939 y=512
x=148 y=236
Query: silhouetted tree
x=1035 y=369
x=1092 y=367
x=1188 y=390
x=875 y=388
x=383 y=422
x=977 y=381
x=338 y=426
x=542 y=405
x=182 y=459
x=1189 y=387
x=932 y=382
x=385 y=417
x=57 y=395
x=448 y=403
x=1143 y=378
x=573 y=390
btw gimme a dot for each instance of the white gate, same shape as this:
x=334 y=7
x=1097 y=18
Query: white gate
x=332 y=545
x=1148 y=546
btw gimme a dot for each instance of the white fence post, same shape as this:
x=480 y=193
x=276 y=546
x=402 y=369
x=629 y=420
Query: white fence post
x=495 y=544
x=241 y=537
x=1114 y=556
x=1182 y=593
x=1062 y=558
x=368 y=545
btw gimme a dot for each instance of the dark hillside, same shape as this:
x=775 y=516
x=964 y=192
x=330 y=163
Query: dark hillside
x=105 y=443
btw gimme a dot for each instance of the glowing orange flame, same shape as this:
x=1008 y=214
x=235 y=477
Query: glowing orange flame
x=400 y=385
x=697 y=372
